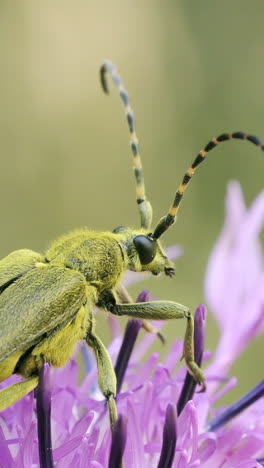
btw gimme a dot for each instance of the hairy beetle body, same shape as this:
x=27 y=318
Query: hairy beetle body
x=46 y=301
x=47 y=294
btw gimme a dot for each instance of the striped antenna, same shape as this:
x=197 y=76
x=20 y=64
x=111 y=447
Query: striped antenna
x=144 y=205
x=170 y=218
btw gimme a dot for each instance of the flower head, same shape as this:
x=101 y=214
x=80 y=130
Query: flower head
x=163 y=421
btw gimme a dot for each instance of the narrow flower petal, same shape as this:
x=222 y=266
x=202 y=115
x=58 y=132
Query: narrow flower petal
x=181 y=459
x=95 y=464
x=233 y=410
x=217 y=267
x=118 y=443
x=188 y=428
x=250 y=464
x=67 y=448
x=27 y=451
x=207 y=446
x=199 y=342
x=169 y=438
x=135 y=448
x=6 y=458
x=43 y=415
x=226 y=388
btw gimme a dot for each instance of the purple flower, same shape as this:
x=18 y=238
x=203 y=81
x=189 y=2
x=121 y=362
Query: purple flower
x=163 y=420
x=234 y=283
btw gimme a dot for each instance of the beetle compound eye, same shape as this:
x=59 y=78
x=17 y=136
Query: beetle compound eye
x=146 y=248
x=118 y=229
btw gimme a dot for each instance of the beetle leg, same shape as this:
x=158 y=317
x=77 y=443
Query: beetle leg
x=13 y=393
x=125 y=298
x=166 y=310
x=150 y=329
x=106 y=374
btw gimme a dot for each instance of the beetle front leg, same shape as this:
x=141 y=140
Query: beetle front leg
x=125 y=298
x=166 y=310
x=106 y=374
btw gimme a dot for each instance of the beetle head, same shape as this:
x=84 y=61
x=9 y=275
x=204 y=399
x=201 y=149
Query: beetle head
x=144 y=252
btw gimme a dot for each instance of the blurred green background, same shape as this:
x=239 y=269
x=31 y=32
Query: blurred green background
x=192 y=69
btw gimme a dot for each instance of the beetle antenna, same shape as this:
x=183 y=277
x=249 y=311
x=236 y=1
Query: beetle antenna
x=170 y=218
x=144 y=205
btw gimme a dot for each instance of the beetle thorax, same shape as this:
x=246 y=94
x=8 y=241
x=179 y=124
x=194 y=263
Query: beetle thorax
x=97 y=255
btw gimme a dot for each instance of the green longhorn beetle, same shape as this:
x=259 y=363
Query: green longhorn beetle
x=46 y=301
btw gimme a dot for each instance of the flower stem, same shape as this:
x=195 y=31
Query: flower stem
x=43 y=396
x=118 y=443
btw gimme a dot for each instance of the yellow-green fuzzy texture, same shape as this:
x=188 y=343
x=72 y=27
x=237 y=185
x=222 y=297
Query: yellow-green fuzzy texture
x=33 y=306
x=46 y=302
x=96 y=254
x=18 y=262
